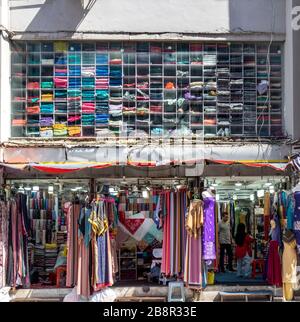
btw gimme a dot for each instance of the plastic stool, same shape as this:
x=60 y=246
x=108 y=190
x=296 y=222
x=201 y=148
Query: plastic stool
x=171 y=287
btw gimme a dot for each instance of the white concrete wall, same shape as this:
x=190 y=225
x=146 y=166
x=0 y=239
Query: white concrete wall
x=143 y=16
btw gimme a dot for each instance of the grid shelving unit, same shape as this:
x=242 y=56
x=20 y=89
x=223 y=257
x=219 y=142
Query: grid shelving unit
x=146 y=88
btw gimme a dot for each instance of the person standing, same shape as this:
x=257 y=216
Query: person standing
x=225 y=242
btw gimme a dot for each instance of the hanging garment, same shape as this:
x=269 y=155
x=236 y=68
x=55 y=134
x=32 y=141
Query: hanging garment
x=84 y=258
x=208 y=238
x=274 y=276
x=297 y=219
x=72 y=244
x=290 y=211
x=3 y=242
x=289 y=263
x=193 y=252
x=267 y=213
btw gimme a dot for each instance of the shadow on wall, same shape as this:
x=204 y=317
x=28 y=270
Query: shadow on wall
x=57 y=16
x=257 y=16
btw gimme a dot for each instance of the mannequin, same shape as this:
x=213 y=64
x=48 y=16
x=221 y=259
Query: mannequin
x=289 y=265
x=207 y=194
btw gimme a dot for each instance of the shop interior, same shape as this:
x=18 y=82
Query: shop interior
x=138 y=245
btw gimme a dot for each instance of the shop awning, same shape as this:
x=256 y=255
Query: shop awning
x=67 y=167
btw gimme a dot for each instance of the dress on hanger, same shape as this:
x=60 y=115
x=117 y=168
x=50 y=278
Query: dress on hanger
x=297 y=219
x=208 y=237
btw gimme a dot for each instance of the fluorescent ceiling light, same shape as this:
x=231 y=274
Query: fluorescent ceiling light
x=260 y=193
x=36 y=188
x=238 y=184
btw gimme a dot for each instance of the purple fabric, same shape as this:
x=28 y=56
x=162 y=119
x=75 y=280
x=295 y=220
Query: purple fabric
x=46 y=121
x=297 y=219
x=208 y=237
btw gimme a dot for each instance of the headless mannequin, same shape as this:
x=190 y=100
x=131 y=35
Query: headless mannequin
x=289 y=269
x=207 y=194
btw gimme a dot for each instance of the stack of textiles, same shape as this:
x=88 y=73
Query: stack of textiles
x=74 y=130
x=46 y=121
x=157 y=131
x=61 y=94
x=102 y=83
x=209 y=60
x=155 y=96
x=115 y=61
x=74 y=93
x=60 y=71
x=61 y=238
x=115 y=71
x=74 y=59
x=34 y=131
x=115 y=82
x=74 y=70
x=60 y=82
x=88 y=108
x=47 y=108
x=74 y=105
x=50 y=257
x=46 y=132
x=74 y=82
x=101 y=107
x=142 y=110
x=223 y=72
x=59 y=129
x=74 y=119
x=30 y=99
x=102 y=94
x=210 y=86
x=129 y=85
x=88 y=95
x=209 y=122
x=60 y=107
x=236 y=106
x=19 y=122
x=115 y=123
x=33 y=85
x=198 y=85
x=60 y=59
x=156 y=109
x=47 y=97
x=88 y=71
x=101 y=70
x=143 y=122
x=47 y=84
x=88 y=119
x=33 y=109
x=101 y=59
x=129 y=110
x=102 y=120
x=115 y=110
x=39 y=258
x=88 y=82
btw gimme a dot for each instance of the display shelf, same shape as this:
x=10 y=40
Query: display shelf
x=233 y=71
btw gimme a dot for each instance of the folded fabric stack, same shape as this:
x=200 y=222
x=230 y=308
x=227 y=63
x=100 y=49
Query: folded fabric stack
x=60 y=82
x=50 y=257
x=130 y=85
x=74 y=70
x=60 y=59
x=102 y=94
x=209 y=60
x=101 y=59
x=142 y=123
x=153 y=96
x=75 y=82
x=74 y=93
x=60 y=71
x=88 y=95
x=157 y=131
x=31 y=99
x=115 y=61
x=210 y=86
x=47 y=97
x=101 y=70
x=60 y=129
x=223 y=72
x=169 y=58
x=39 y=258
x=115 y=82
x=88 y=119
x=88 y=71
x=46 y=121
x=33 y=109
x=74 y=58
x=47 y=84
x=74 y=105
x=115 y=71
x=88 y=108
x=88 y=58
x=46 y=132
x=236 y=106
x=209 y=122
x=33 y=85
x=33 y=131
x=142 y=110
x=129 y=110
x=18 y=122
x=88 y=82
x=102 y=119
x=74 y=130
x=101 y=107
x=47 y=108
x=198 y=85
x=115 y=123
x=156 y=109
x=102 y=83
x=61 y=94
x=115 y=110
x=31 y=121
x=74 y=119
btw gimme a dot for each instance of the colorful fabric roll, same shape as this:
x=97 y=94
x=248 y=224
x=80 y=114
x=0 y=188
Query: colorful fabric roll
x=102 y=83
x=88 y=107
